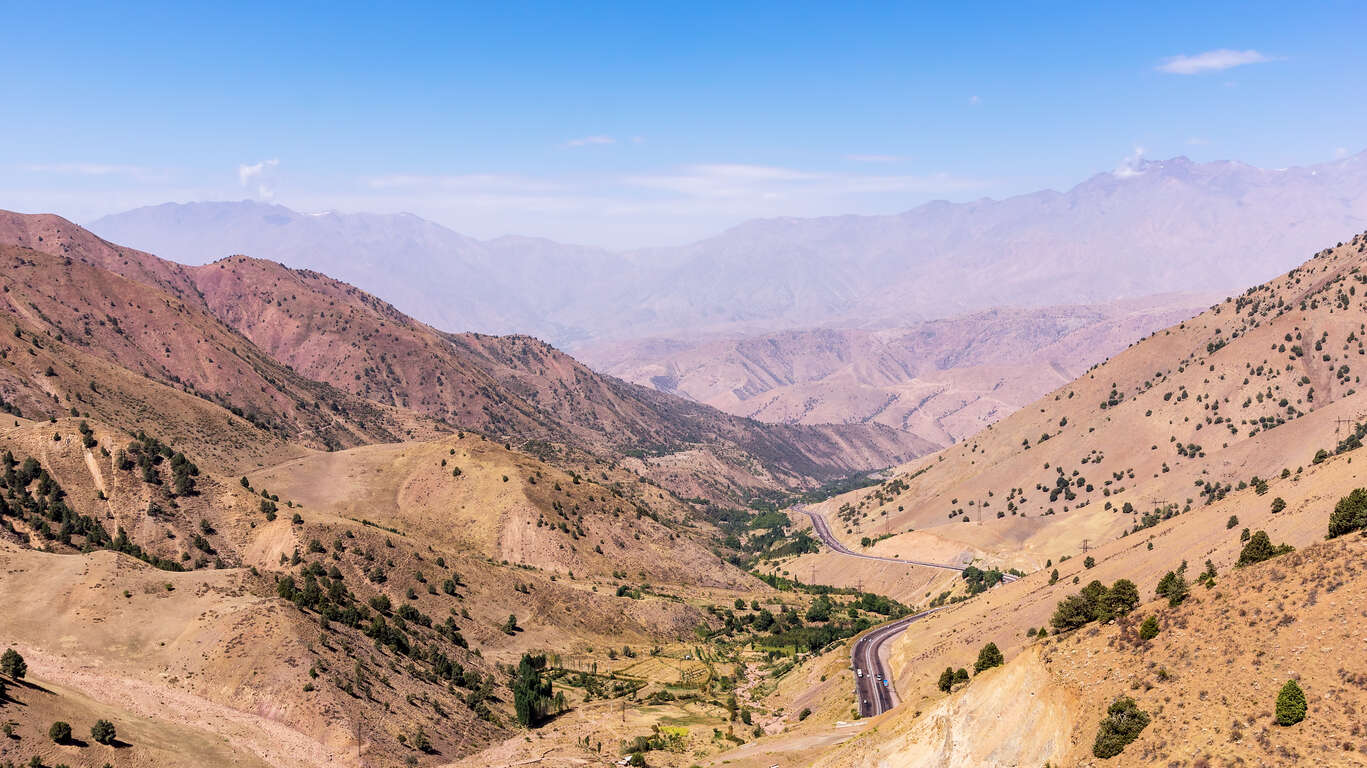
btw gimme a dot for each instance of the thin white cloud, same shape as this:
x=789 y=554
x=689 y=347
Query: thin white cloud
x=469 y=182
x=1210 y=61
x=672 y=205
x=1131 y=165
x=974 y=100
x=737 y=182
x=136 y=172
x=261 y=174
x=245 y=173
x=877 y=159
x=590 y=141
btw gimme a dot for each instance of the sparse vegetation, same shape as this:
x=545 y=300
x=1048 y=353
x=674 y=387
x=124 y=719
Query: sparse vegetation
x=1095 y=602
x=1122 y=725
x=1291 y=704
x=988 y=657
x=1350 y=513
x=1260 y=548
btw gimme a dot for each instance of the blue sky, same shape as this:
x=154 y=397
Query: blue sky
x=651 y=123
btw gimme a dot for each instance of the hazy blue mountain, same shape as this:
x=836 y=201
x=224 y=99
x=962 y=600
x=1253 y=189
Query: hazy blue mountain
x=1173 y=225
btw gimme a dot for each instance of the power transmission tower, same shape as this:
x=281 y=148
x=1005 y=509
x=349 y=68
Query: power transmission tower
x=1338 y=423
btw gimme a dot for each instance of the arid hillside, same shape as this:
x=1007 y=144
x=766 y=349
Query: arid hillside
x=523 y=388
x=321 y=363
x=1208 y=679
x=65 y=287
x=312 y=576
x=336 y=624
x=942 y=380
x=1251 y=618
x=1253 y=387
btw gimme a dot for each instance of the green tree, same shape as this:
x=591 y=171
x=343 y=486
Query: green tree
x=1232 y=523
x=1278 y=504
x=946 y=682
x=1350 y=513
x=1098 y=600
x=510 y=626
x=1149 y=629
x=960 y=675
x=1072 y=612
x=531 y=693
x=1174 y=587
x=103 y=732
x=820 y=609
x=1290 y=704
x=60 y=732
x=1122 y=597
x=988 y=658
x=1260 y=548
x=1122 y=725
x=12 y=664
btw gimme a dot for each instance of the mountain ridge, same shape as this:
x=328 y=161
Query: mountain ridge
x=1156 y=226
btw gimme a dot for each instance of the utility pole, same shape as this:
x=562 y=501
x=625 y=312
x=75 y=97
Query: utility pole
x=1340 y=422
x=1086 y=544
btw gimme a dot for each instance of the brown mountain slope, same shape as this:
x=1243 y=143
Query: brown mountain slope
x=521 y=387
x=143 y=329
x=41 y=377
x=942 y=380
x=1210 y=678
x=327 y=680
x=334 y=626
x=1027 y=714
x=56 y=236
x=1249 y=388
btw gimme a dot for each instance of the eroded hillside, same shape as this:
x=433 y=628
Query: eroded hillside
x=1254 y=386
x=942 y=380
x=330 y=627
x=521 y=387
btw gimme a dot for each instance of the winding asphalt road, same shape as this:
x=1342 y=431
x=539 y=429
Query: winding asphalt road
x=873 y=687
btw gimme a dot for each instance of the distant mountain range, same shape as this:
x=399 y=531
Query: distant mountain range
x=1157 y=227
x=942 y=380
x=310 y=360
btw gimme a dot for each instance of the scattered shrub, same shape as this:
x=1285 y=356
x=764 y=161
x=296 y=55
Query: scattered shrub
x=1260 y=548
x=1122 y=725
x=1149 y=629
x=103 y=732
x=60 y=732
x=1350 y=513
x=988 y=658
x=1290 y=704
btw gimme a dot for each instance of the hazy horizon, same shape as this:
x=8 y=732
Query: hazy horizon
x=624 y=127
